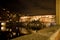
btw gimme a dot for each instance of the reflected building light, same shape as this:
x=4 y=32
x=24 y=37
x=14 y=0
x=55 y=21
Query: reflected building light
x=16 y=27
x=50 y=17
x=11 y=35
x=24 y=17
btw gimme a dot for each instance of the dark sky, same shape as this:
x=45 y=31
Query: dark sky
x=30 y=6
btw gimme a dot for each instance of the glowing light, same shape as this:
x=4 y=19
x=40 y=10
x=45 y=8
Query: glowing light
x=14 y=15
x=14 y=33
x=16 y=27
x=46 y=16
x=10 y=19
x=4 y=9
x=7 y=29
x=42 y=18
x=3 y=28
x=3 y=23
x=11 y=35
x=10 y=30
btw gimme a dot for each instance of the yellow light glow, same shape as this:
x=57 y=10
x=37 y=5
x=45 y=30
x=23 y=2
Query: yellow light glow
x=25 y=17
x=14 y=33
x=3 y=23
x=7 y=29
x=3 y=28
x=46 y=16
x=10 y=30
x=4 y=9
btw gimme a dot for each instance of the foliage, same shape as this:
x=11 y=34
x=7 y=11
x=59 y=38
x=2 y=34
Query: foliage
x=35 y=25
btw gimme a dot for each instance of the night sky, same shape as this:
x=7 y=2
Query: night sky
x=30 y=7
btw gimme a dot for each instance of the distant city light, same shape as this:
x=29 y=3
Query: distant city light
x=3 y=23
x=4 y=9
x=10 y=30
x=8 y=11
x=46 y=16
x=3 y=28
x=7 y=29
x=7 y=21
x=25 y=17
x=14 y=33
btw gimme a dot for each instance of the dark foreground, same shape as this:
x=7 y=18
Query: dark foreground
x=43 y=34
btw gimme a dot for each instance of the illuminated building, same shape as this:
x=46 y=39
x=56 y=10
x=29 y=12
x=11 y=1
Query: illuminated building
x=45 y=19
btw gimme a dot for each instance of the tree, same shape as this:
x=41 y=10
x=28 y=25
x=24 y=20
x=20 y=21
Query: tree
x=35 y=25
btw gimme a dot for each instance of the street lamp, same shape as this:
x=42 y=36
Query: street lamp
x=3 y=26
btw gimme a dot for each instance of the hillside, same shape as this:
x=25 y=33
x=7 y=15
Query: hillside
x=42 y=34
